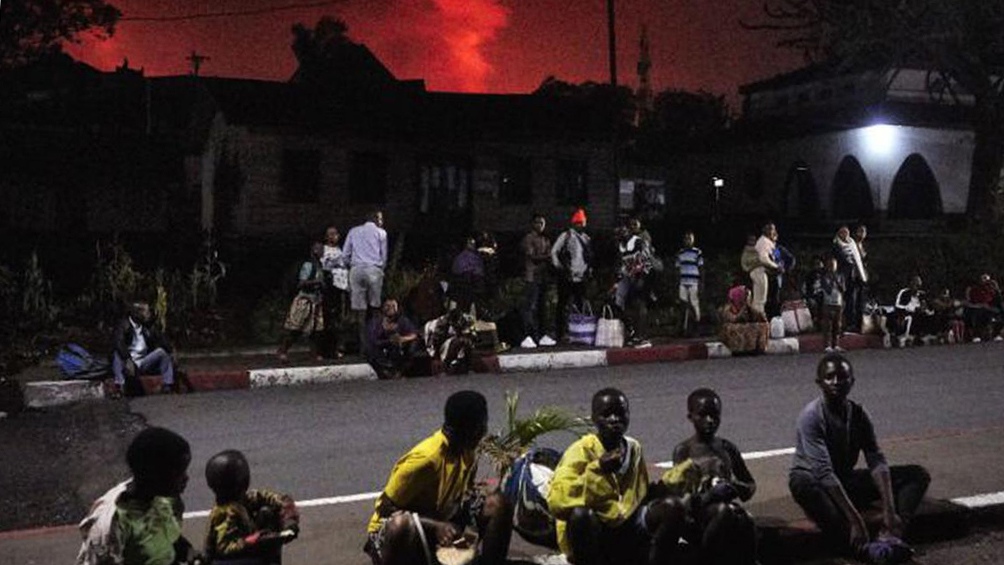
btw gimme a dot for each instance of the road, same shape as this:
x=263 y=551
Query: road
x=940 y=406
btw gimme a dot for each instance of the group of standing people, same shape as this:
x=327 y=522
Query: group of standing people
x=568 y=260
x=331 y=274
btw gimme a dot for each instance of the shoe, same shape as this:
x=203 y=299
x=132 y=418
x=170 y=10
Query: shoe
x=999 y=338
x=828 y=350
x=528 y=343
x=641 y=344
x=839 y=349
x=114 y=391
x=977 y=340
x=547 y=341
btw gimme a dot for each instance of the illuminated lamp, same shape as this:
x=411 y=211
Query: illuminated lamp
x=880 y=139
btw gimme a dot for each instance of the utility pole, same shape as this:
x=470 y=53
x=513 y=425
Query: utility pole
x=196 y=61
x=614 y=109
x=612 y=36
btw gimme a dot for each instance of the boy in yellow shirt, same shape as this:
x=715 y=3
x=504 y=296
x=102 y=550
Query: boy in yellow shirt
x=599 y=495
x=430 y=497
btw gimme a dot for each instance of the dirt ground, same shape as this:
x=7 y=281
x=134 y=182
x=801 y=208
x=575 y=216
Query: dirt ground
x=56 y=462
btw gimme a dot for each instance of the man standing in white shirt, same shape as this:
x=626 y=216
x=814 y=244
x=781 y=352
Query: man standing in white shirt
x=366 y=254
x=765 y=254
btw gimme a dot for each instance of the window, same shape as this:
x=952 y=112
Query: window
x=514 y=181
x=301 y=175
x=572 y=186
x=368 y=178
x=444 y=186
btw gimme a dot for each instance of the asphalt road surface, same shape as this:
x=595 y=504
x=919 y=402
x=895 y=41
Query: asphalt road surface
x=333 y=445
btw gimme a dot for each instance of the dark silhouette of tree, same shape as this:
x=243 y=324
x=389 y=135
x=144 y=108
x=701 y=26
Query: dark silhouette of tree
x=323 y=41
x=329 y=60
x=961 y=42
x=30 y=29
x=616 y=103
x=682 y=120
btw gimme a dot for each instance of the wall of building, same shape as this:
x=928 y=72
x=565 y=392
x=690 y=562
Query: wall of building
x=880 y=151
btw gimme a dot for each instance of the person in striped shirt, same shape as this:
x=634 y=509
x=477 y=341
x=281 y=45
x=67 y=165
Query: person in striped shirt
x=690 y=265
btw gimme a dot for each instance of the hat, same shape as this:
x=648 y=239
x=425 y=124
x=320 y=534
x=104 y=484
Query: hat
x=579 y=217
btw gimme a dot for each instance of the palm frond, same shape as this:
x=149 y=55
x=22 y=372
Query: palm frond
x=520 y=435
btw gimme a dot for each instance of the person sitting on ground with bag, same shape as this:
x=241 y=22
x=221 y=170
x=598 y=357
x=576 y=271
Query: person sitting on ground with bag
x=599 y=495
x=571 y=257
x=392 y=342
x=983 y=308
x=711 y=477
x=431 y=499
x=138 y=522
x=306 y=315
x=451 y=339
x=246 y=526
x=832 y=431
x=913 y=318
x=743 y=329
x=140 y=349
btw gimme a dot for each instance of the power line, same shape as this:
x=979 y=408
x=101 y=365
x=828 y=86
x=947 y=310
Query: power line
x=235 y=13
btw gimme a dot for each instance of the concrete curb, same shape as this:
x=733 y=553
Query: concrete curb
x=262 y=378
x=44 y=394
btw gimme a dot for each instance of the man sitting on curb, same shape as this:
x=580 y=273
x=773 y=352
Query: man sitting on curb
x=431 y=497
x=140 y=349
x=831 y=432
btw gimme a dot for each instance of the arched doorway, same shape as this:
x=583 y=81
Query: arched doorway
x=915 y=192
x=852 y=195
x=801 y=199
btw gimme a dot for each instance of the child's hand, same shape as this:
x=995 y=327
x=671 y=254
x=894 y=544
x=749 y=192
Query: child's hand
x=446 y=533
x=612 y=460
x=723 y=491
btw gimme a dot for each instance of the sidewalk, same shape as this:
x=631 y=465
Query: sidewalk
x=259 y=368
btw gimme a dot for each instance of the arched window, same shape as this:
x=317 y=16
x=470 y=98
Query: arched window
x=915 y=193
x=800 y=197
x=852 y=195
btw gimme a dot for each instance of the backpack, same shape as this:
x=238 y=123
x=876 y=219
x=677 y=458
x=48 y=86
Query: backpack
x=77 y=363
x=526 y=488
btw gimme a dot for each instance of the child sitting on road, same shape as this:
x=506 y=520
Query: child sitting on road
x=709 y=473
x=246 y=526
x=599 y=495
x=139 y=521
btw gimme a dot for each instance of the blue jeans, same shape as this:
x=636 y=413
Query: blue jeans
x=157 y=362
x=534 y=300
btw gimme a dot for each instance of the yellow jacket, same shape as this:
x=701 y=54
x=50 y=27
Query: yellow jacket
x=578 y=482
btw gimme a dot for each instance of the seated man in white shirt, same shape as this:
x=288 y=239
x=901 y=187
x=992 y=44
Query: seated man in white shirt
x=140 y=349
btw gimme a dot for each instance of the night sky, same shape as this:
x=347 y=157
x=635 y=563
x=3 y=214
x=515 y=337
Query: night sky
x=461 y=45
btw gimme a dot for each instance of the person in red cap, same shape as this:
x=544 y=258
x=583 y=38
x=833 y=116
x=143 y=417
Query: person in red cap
x=571 y=256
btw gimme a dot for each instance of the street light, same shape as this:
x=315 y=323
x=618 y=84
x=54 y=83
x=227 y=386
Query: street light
x=717 y=184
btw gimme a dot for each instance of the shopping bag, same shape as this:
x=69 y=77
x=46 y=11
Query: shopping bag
x=776 y=328
x=796 y=316
x=609 y=330
x=582 y=325
x=340 y=278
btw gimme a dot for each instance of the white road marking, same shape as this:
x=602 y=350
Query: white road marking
x=747 y=456
x=975 y=501
x=980 y=500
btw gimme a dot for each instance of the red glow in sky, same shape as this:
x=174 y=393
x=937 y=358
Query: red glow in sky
x=461 y=45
